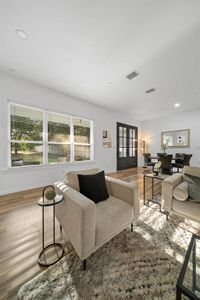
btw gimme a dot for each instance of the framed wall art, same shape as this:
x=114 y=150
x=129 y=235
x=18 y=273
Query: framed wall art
x=176 y=138
x=106 y=139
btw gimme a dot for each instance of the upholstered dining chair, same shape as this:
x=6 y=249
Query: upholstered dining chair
x=185 y=161
x=178 y=160
x=161 y=154
x=166 y=165
x=148 y=162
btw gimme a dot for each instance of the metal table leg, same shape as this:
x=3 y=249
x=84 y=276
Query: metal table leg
x=144 y=190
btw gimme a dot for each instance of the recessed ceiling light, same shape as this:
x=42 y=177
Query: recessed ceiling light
x=177 y=104
x=109 y=83
x=21 y=34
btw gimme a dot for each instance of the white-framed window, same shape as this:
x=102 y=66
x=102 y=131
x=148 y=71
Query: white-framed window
x=82 y=143
x=59 y=138
x=40 y=137
x=26 y=141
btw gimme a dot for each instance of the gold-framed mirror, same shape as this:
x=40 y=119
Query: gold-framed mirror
x=176 y=138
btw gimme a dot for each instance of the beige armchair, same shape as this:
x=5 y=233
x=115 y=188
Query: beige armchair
x=186 y=209
x=88 y=225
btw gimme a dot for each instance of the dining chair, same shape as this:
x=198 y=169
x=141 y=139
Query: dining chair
x=166 y=164
x=161 y=154
x=178 y=160
x=185 y=161
x=147 y=161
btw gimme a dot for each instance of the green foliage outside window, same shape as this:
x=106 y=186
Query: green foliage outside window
x=27 y=138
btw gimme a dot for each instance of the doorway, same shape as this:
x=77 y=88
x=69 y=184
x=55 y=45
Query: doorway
x=127 y=146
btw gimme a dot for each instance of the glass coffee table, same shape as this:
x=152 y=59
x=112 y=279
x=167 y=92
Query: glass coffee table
x=155 y=198
x=188 y=283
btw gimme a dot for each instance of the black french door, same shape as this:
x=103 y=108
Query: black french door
x=127 y=146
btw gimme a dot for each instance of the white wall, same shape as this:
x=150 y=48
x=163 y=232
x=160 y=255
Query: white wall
x=30 y=94
x=151 y=130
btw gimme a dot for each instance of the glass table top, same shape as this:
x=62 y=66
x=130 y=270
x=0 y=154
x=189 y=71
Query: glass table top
x=159 y=176
x=46 y=202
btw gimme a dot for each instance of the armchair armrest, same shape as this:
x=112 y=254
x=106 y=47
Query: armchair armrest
x=77 y=215
x=125 y=191
x=168 y=186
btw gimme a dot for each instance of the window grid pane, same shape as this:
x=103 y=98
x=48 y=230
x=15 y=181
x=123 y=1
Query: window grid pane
x=38 y=137
x=23 y=154
x=58 y=128
x=81 y=152
x=58 y=153
x=81 y=130
x=26 y=124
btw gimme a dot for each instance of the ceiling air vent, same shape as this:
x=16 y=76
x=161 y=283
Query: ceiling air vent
x=150 y=90
x=132 y=75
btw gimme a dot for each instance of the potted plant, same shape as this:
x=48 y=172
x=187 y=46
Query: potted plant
x=164 y=147
x=157 y=168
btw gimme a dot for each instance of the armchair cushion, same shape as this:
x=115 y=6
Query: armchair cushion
x=111 y=216
x=193 y=187
x=93 y=186
x=181 y=191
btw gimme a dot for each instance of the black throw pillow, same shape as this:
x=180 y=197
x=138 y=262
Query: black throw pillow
x=93 y=186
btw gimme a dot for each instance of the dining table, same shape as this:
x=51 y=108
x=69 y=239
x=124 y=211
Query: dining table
x=173 y=158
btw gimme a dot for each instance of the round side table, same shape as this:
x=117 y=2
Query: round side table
x=57 y=248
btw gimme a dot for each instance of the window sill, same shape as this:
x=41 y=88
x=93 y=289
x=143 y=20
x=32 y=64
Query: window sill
x=35 y=168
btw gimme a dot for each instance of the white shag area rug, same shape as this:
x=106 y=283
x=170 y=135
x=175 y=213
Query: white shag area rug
x=140 y=265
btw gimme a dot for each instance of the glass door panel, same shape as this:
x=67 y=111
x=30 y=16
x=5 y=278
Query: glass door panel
x=126 y=146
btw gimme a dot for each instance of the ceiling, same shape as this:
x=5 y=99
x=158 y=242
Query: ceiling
x=85 y=48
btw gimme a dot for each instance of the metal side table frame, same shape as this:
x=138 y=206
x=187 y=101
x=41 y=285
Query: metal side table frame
x=44 y=203
x=153 y=199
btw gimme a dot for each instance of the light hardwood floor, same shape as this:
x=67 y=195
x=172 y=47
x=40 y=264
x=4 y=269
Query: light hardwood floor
x=20 y=234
